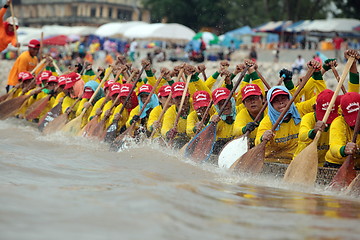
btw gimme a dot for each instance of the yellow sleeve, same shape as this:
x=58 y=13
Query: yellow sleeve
x=338 y=137
x=81 y=106
x=210 y=81
x=191 y=120
x=265 y=124
x=95 y=107
x=306 y=106
x=133 y=112
x=242 y=118
x=169 y=119
x=57 y=99
x=106 y=107
x=124 y=116
x=153 y=116
x=306 y=125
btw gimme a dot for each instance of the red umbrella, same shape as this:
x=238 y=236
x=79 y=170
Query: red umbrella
x=60 y=40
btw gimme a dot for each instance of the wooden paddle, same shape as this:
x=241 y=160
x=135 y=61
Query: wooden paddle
x=112 y=130
x=336 y=74
x=10 y=94
x=10 y=107
x=59 y=122
x=95 y=120
x=354 y=187
x=346 y=173
x=50 y=116
x=35 y=109
x=74 y=126
x=166 y=106
x=252 y=161
x=171 y=141
x=201 y=146
x=303 y=168
x=14 y=25
x=130 y=130
x=99 y=130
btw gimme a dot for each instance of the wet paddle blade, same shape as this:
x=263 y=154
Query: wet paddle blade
x=200 y=147
x=252 y=161
x=89 y=126
x=4 y=97
x=303 y=168
x=35 y=109
x=73 y=126
x=10 y=107
x=56 y=124
x=232 y=151
x=345 y=175
x=98 y=130
x=354 y=187
x=111 y=133
x=50 y=116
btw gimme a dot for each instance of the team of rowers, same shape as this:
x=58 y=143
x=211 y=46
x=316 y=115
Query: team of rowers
x=178 y=104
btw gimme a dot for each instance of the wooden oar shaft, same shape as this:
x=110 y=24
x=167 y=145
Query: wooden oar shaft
x=284 y=112
x=204 y=75
x=14 y=26
x=182 y=102
x=165 y=108
x=203 y=119
x=38 y=65
x=263 y=80
x=336 y=74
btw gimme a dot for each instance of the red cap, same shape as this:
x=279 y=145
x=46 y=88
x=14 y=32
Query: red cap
x=52 y=79
x=115 y=88
x=20 y=76
x=71 y=79
x=34 y=44
x=322 y=103
x=26 y=76
x=350 y=104
x=146 y=88
x=109 y=83
x=220 y=94
x=178 y=89
x=250 y=90
x=201 y=99
x=125 y=89
x=164 y=91
x=45 y=75
x=277 y=92
x=62 y=80
x=88 y=92
x=38 y=79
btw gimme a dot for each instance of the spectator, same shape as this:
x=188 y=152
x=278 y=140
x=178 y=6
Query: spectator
x=337 y=41
x=253 y=54
x=298 y=65
x=132 y=48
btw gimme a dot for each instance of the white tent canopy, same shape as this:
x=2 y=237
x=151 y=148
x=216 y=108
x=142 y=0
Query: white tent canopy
x=116 y=29
x=52 y=30
x=326 y=25
x=161 y=31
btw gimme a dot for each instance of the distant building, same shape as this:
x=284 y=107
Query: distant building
x=35 y=13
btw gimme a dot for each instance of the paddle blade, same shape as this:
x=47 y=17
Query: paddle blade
x=354 y=187
x=345 y=175
x=252 y=161
x=201 y=146
x=111 y=132
x=35 y=109
x=50 y=116
x=232 y=151
x=74 y=126
x=56 y=124
x=4 y=97
x=303 y=168
x=10 y=107
x=89 y=126
x=98 y=131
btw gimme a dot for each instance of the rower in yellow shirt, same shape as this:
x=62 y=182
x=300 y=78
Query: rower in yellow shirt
x=154 y=115
x=225 y=122
x=253 y=100
x=141 y=120
x=312 y=122
x=168 y=130
x=282 y=144
x=341 y=133
x=201 y=100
